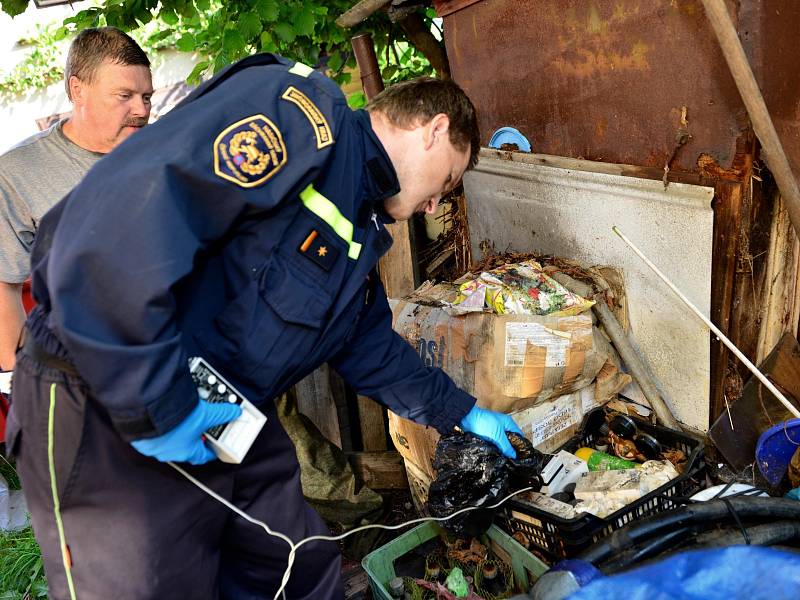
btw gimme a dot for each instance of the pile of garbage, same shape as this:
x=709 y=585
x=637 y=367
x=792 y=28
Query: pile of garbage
x=521 y=288
x=621 y=466
x=449 y=569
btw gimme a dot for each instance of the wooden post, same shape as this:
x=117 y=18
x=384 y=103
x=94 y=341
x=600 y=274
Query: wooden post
x=316 y=399
x=728 y=197
x=371 y=416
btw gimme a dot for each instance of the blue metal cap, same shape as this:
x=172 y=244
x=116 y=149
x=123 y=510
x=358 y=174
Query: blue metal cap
x=775 y=449
x=509 y=135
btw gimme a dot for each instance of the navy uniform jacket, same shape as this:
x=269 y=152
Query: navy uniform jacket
x=244 y=226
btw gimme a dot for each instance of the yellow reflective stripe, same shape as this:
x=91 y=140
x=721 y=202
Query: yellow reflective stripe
x=354 y=251
x=301 y=69
x=329 y=212
x=51 y=463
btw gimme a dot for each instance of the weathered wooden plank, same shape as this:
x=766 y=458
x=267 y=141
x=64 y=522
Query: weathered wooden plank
x=397 y=266
x=379 y=470
x=316 y=400
x=728 y=197
x=780 y=302
x=372 y=418
x=750 y=281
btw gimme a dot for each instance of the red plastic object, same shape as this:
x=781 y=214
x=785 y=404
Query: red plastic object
x=27 y=298
x=28 y=302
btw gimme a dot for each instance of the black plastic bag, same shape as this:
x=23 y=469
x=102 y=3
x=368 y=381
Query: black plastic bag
x=473 y=472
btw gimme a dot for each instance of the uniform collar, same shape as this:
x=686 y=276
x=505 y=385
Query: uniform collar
x=379 y=175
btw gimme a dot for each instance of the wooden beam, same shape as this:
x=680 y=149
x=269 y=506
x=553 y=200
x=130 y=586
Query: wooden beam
x=379 y=470
x=360 y=12
x=396 y=268
x=728 y=197
x=316 y=399
x=371 y=416
x=780 y=304
x=750 y=283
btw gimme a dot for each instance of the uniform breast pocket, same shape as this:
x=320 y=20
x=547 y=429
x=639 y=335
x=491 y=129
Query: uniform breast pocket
x=271 y=325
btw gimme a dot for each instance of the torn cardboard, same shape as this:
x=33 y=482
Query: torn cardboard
x=508 y=362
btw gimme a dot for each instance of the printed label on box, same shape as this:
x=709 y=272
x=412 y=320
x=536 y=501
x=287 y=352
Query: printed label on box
x=519 y=334
x=553 y=423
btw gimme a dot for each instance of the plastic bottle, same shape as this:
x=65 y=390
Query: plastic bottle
x=600 y=461
x=397 y=588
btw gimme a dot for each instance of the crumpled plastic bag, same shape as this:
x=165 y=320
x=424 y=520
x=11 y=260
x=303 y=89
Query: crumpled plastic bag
x=473 y=472
x=521 y=288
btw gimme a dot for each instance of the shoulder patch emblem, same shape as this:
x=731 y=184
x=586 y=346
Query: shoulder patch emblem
x=249 y=152
x=314 y=115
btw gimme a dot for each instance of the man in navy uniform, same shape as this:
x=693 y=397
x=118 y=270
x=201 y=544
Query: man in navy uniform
x=244 y=227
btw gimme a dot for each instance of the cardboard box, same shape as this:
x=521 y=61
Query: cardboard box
x=508 y=362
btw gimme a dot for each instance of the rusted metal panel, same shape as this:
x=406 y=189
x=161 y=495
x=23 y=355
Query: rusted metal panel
x=768 y=31
x=607 y=79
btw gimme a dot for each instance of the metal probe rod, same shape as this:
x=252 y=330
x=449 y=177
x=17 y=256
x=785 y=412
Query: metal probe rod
x=789 y=406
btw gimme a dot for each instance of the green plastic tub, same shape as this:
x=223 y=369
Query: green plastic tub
x=379 y=564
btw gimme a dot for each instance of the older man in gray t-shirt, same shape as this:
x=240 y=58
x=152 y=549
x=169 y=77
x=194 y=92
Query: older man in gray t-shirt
x=107 y=78
x=33 y=176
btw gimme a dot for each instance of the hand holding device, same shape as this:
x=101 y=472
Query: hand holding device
x=184 y=443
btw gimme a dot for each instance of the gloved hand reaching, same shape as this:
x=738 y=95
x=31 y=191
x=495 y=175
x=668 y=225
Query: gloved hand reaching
x=492 y=427
x=184 y=442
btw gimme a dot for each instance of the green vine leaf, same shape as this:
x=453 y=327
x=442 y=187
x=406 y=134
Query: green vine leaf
x=286 y=32
x=335 y=62
x=197 y=72
x=249 y=25
x=357 y=100
x=186 y=43
x=220 y=62
x=305 y=22
x=14 y=7
x=267 y=44
x=232 y=42
x=168 y=16
x=268 y=10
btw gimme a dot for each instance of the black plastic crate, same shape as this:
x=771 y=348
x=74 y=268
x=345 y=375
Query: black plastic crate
x=558 y=538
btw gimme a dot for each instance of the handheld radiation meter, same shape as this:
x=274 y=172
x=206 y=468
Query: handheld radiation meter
x=232 y=440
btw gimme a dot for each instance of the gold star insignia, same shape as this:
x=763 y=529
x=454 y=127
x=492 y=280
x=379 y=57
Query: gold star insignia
x=322 y=251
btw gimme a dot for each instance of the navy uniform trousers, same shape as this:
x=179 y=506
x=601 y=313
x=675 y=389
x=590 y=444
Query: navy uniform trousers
x=174 y=539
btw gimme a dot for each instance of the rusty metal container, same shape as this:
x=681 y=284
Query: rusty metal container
x=608 y=79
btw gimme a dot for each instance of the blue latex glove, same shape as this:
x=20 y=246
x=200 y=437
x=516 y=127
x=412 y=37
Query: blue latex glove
x=492 y=427
x=184 y=443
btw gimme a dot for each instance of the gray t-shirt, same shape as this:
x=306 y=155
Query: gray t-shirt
x=34 y=175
